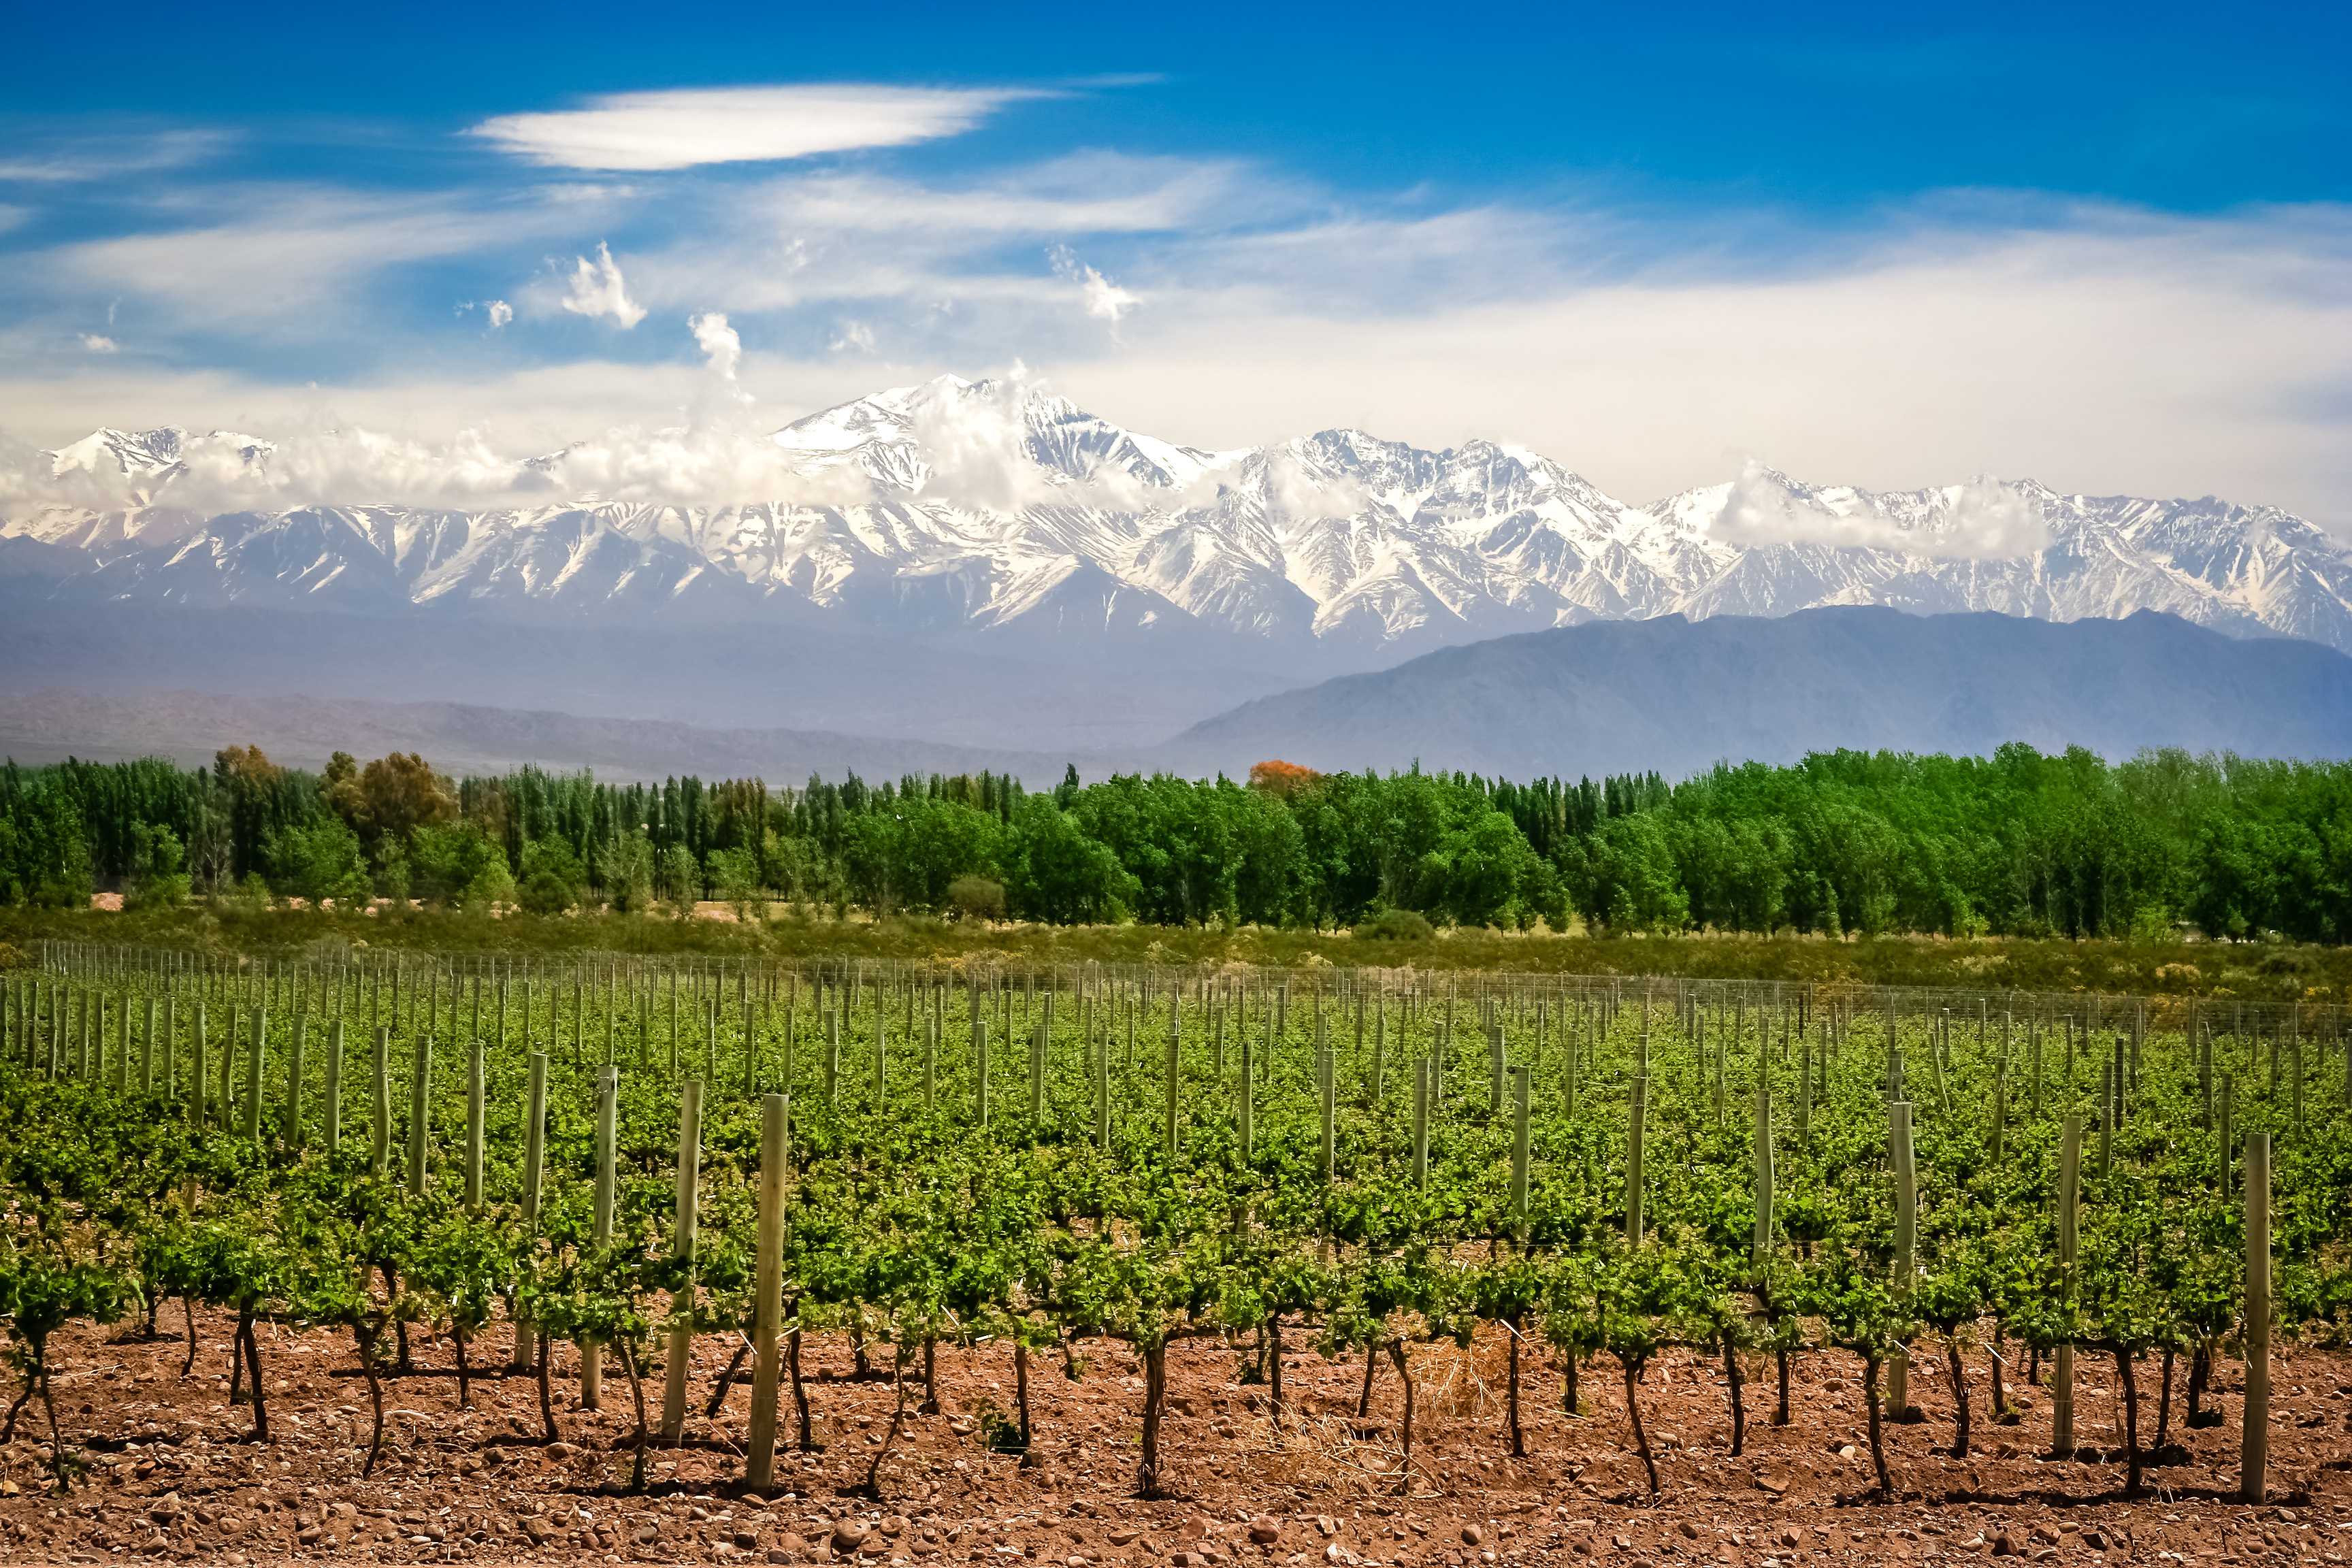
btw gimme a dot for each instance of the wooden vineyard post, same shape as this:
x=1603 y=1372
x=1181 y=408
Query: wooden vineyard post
x=608 y=1096
x=980 y=1068
x=1519 y=1148
x=2106 y=1117
x=1634 y=1135
x=1037 y=1074
x=1567 y=1080
x=196 y=1056
x=2253 y=1452
x=420 y=1103
x=477 y=1110
x=682 y=1244
x=2221 y=1127
x=1420 y=1074
x=333 y=1119
x=1098 y=1064
x=1380 y=1051
x=1249 y=1100
x=2000 y=1108
x=2035 y=1030
x=253 y=1075
x=1906 y=1239
x=228 y=1114
x=534 y=1164
x=768 y=1288
x=833 y=1058
x=172 y=1043
x=2062 y=1358
x=290 y=1130
x=930 y=1067
x=380 y=1149
x=1719 y=1104
x=1494 y=1068
x=1102 y=1100
x=1763 y=1243
x=1327 y=1073
x=2295 y=1066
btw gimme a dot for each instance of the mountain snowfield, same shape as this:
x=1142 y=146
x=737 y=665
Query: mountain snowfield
x=991 y=506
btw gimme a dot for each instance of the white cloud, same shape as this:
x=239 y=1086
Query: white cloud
x=1981 y=519
x=722 y=345
x=278 y=262
x=499 y=312
x=2165 y=357
x=730 y=125
x=2095 y=348
x=723 y=459
x=97 y=344
x=108 y=157
x=596 y=288
x=1102 y=297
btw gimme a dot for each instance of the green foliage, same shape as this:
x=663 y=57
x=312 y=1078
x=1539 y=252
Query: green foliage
x=919 y=1225
x=1396 y=925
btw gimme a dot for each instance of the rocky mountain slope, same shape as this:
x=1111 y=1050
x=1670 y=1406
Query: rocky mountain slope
x=985 y=564
x=959 y=506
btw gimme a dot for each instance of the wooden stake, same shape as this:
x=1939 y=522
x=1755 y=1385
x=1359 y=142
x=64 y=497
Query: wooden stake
x=334 y=1116
x=682 y=1244
x=534 y=1164
x=2062 y=1358
x=768 y=1299
x=420 y=1106
x=2253 y=1451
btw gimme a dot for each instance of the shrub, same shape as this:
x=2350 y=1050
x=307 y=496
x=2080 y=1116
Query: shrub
x=545 y=893
x=1396 y=925
x=976 y=899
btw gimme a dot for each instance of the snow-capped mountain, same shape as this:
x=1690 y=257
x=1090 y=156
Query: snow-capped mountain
x=993 y=508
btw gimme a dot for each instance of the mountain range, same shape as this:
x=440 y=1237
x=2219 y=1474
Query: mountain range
x=1014 y=572
x=1668 y=694
x=1678 y=695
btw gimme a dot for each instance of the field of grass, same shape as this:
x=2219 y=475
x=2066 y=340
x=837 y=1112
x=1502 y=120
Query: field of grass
x=2252 y=972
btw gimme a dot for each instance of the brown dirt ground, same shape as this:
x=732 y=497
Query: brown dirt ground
x=173 y=1473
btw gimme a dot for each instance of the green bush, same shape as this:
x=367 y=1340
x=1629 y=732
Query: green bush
x=1396 y=925
x=976 y=899
x=546 y=893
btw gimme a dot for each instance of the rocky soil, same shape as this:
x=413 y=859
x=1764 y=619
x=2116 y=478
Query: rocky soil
x=172 y=1469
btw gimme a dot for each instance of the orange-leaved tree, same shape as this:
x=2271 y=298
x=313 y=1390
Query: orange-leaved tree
x=1279 y=779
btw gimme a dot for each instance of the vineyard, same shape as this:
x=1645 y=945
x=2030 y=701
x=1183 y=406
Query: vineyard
x=593 y=1178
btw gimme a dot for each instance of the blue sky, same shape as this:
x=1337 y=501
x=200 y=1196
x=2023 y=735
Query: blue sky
x=1888 y=245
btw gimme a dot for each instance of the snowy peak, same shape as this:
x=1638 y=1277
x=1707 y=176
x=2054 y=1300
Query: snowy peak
x=983 y=438
x=966 y=506
x=144 y=462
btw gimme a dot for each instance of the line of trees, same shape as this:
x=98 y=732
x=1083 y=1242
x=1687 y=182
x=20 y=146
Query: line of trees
x=2017 y=843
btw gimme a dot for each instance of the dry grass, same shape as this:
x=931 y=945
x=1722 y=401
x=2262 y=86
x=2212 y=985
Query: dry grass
x=2252 y=972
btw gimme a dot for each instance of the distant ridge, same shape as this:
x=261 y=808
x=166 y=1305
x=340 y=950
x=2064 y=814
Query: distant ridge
x=1678 y=695
x=458 y=738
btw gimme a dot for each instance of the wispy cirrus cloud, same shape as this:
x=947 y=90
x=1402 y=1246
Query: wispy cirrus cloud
x=1222 y=303
x=688 y=128
x=87 y=158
